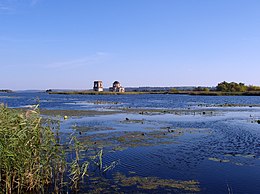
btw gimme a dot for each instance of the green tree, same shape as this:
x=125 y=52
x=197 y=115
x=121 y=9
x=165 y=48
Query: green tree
x=231 y=87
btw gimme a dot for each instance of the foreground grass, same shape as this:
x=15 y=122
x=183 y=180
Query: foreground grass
x=32 y=160
x=30 y=157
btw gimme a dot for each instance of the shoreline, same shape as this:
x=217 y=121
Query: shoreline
x=195 y=93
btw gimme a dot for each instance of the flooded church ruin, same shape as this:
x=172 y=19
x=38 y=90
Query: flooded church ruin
x=117 y=87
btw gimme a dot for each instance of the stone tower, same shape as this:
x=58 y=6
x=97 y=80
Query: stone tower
x=98 y=86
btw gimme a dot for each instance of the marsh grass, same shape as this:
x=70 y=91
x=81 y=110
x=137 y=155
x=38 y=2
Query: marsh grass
x=30 y=157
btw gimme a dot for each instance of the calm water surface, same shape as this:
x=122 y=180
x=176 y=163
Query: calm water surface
x=220 y=150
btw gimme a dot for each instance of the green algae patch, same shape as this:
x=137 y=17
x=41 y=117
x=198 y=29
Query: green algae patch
x=115 y=140
x=152 y=183
x=133 y=121
x=118 y=141
x=104 y=102
x=121 y=183
x=241 y=159
x=219 y=160
x=248 y=156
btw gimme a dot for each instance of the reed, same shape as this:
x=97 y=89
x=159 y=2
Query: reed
x=30 y=157
x=32 y=160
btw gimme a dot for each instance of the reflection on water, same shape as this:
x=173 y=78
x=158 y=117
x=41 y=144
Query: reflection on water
x=218 y=148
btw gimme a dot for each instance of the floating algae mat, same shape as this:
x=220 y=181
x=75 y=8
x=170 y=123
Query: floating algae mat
x=163 y=149
x=151 y=183
x=137 y=184
x=116 y=139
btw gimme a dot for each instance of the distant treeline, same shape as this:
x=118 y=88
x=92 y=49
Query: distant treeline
x=236 y=87
x=7 y=91
x=229 y=87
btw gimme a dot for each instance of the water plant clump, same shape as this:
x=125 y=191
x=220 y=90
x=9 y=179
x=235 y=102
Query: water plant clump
x=151 y=183
x=32 y=159
x=30 y=156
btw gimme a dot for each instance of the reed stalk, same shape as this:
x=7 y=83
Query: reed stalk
x=29 y=154
x=32 y=160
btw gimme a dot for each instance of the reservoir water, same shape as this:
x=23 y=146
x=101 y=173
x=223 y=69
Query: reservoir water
x=211 y=140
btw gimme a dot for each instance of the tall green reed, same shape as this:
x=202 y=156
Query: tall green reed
x=30 y=158
x=33 y=160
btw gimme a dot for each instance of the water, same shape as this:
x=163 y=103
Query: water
x=220 y=150
x=81 y=102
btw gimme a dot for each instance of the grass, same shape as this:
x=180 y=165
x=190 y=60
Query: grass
x=32 y=160
x=30 y=156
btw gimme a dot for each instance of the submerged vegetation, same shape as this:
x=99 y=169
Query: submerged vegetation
x=150 y=183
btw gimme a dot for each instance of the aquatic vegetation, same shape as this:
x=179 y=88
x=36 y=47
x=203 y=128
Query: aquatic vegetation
x=85 y=163
x=78 y=170
x=137 y=184
x=30 y=156
x=239 y=164
x=127 y=120
x=231 y=161
x=33 y=159
x=218 y=160
x=149 y=183
x=242 y=155
x=105 y=102
x=114 y=139
x=125 y=140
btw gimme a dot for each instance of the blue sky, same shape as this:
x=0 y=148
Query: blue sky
x=70 y=43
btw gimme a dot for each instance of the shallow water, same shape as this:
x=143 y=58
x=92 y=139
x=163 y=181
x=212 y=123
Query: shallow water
x=20 y=99
x=219 y=149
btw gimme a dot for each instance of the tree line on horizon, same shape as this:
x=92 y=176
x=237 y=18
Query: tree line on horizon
x=230 y=87
x=235 y=87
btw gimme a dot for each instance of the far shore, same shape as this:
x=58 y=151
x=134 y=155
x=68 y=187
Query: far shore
x=199 y=93
x=6 y=91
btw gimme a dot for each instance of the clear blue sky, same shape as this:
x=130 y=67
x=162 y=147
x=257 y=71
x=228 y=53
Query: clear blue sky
x=70 y=43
